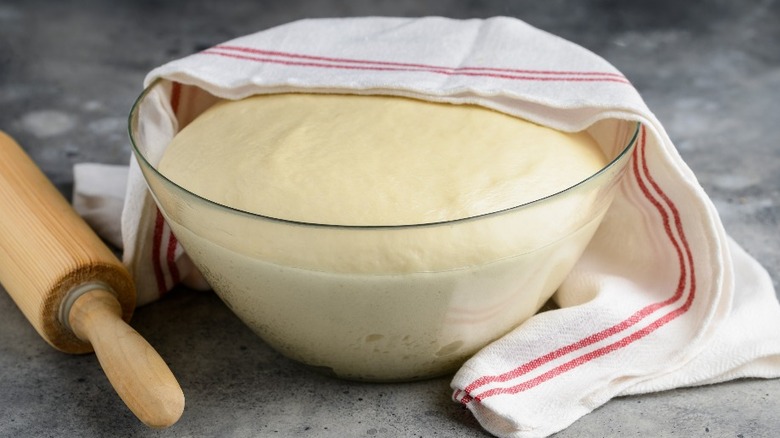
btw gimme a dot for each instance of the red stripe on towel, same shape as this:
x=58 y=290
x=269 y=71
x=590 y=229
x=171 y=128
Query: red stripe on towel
x=170 y=257
x=632 y=320
x=175 y=96
x=413 y=65
x=345 y=66
x=160 y=225
x=156 y=247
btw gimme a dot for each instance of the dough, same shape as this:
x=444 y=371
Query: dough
x=372 y=160
x=381 y=303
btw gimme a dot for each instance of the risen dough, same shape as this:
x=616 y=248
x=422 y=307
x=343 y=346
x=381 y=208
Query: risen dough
x=383 y=303
x=372 y=160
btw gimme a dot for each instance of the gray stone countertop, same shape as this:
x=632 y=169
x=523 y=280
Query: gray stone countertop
x=70 y=70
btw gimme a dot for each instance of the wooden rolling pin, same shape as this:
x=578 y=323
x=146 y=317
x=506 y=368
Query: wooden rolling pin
x=73 y=290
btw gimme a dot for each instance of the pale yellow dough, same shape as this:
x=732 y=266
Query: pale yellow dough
x=381 y=303
x=372 y=160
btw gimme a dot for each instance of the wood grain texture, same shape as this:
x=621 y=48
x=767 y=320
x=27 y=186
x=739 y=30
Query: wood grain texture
x=46 y=249
x=138 y=374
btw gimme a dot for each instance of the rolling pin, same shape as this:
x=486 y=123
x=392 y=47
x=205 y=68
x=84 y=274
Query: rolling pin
x=74 y=290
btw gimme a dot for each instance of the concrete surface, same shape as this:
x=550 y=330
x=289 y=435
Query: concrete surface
x=70 y=70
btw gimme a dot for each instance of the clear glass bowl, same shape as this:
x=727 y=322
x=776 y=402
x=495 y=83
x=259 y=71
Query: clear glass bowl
x=344 y=299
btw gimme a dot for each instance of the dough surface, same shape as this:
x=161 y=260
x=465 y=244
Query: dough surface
x=372 y=160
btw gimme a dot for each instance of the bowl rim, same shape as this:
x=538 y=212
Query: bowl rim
x=140 y=156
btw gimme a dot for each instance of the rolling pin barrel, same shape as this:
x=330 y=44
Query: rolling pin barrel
x=72 y=288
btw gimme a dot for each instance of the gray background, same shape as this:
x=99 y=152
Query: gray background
x=69 y=72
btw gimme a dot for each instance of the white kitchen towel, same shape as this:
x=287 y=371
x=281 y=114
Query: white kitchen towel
x=98 y=196
x=662 y=298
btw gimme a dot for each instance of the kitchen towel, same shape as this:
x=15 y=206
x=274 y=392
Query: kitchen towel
x=662 y=297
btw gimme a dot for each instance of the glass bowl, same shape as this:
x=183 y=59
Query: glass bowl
x=345 y=300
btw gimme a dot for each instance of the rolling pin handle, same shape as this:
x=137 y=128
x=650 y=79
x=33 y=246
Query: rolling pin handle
x=135 y=369
x=58 y=271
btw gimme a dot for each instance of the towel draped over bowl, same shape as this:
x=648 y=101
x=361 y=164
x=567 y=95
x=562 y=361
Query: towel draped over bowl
x=662 y=297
